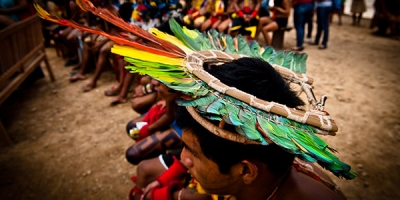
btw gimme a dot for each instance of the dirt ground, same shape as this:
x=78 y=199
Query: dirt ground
x=71 y=145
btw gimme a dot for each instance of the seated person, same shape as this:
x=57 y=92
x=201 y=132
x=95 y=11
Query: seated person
x=124 y=78
x=99 y=46
x=195 y=16
x=246 y=21
x=216 y=17
x=69 y=37
x=230 y=13
x=144 y=95
x=151 y=131
x=153 y=169
x=227 y=166
x=281 y=12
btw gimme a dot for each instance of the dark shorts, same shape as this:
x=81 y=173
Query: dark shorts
x=245 y=28
x=167 y=159
x=263 y=12
x=282 y=22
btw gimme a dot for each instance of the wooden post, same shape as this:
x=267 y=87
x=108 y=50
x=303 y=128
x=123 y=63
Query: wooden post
x=277 y=39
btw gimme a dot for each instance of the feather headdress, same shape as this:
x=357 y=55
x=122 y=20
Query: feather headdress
x=177 y=61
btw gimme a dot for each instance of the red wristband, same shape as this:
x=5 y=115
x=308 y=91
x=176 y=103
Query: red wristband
x=240 y=13
x=165 y=193
x=176 y=171
x=254 y=13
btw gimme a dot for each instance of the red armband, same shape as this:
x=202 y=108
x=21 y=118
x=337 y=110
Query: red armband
x=240 y=13
x=176 y=171
x=254 y=13
x=165 y=193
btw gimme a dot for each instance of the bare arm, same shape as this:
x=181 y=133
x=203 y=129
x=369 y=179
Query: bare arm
x=286 y=9
x=166 y=119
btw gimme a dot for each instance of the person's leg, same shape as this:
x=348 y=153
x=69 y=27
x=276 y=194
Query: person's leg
x=146 y=172
x=223 y=27
x=119 y=68
x=340 y=13
x=262 y=23
x=354 y=19
x=72 y=45
x=199 y=21
x=310 y=26
x=102 y=61
x=153 y=145
x=126 y=83
x=302 y=13
x=142 y=104
x=86 y=54
x=359 y=19
x=325 y=26
x=206 y=25
x=273 y=26
x=319 y=26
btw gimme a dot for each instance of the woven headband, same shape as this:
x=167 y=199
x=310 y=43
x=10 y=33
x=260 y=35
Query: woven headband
x=177 y=61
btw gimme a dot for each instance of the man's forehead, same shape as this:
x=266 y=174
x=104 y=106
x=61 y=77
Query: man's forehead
x=190 y=140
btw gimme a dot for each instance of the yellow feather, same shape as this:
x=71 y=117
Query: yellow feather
x=262 y=50
x=170 y=38
x=145 y=56
x=298 y=145
x=42 y=13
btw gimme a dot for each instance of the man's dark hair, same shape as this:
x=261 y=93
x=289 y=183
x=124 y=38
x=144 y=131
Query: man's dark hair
x=260 y=79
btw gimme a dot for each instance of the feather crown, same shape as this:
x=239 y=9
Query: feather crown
x=177 y=61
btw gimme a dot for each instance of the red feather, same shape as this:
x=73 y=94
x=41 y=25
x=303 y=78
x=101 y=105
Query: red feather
x=108 y=16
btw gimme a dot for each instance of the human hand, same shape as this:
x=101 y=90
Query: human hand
x=138 y=91
x=149 y=187
x=247 y=18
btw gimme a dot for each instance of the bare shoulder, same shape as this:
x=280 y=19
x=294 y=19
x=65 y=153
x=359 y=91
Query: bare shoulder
x=302 y=186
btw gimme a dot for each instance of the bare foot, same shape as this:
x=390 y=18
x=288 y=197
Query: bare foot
x=77 y=77
x=117 y=100
x=88 y=87
x=113 y=91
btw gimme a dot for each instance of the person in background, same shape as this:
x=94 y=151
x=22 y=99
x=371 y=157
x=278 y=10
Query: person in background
x=281 y=12
x=357 y=8
x=324 y=8
x=303 y=11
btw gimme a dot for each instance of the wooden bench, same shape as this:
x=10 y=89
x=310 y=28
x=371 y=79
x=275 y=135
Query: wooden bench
x=278 y=37
x=22 y=50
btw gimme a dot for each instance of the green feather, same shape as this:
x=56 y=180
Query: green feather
x=243 y=46
x=255 y=49
x=229 y=44
x=193 y=39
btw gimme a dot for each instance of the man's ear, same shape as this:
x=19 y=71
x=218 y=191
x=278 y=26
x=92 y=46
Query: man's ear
x=249 y=171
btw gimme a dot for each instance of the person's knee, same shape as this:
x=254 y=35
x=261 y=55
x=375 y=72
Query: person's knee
x=133 y=156
x=105 y=51
x=129 y=126
x=147 y=170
